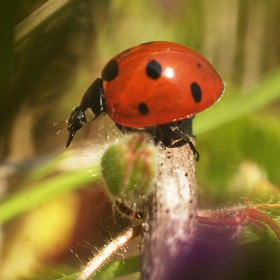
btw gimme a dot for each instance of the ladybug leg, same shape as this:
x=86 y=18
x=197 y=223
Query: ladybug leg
x=132 y=214
x=185 y=130
x=187 y=138
x=174 y=135
x=171 y=135
x=163 y=134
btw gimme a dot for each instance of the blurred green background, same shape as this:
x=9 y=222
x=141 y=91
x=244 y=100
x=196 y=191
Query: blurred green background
x=53 y=210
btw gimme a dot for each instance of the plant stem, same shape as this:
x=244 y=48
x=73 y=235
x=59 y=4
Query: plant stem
x=110 y=249
x=171 y=223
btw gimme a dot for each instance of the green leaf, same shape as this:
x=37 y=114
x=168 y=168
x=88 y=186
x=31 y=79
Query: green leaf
x=113 y=270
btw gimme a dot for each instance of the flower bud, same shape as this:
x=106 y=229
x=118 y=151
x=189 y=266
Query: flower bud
x=129 y=169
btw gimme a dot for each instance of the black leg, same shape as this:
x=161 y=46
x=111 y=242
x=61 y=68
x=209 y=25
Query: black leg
x=124 y=209
x=172 y=135
x=187 y=138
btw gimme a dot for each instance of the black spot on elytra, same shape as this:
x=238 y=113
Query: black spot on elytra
x=196 y=92
x=198 y=65
x=111 y=71
x=143 y=109
x=153 y=69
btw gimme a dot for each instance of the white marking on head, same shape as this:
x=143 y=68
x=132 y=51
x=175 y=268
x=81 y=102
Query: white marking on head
x=89 y=115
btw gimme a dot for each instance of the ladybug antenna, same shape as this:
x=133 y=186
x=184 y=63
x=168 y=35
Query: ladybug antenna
x=62 y=130
x=72 y=133
x=60 y=122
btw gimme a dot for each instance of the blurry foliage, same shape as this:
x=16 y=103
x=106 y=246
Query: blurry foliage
x=44 y=74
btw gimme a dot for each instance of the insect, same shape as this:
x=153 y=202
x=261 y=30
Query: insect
x=154 y=86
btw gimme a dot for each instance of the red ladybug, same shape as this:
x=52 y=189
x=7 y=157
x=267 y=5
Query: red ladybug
x=150 y=85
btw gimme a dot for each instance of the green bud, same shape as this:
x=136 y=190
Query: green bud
x=129 y=168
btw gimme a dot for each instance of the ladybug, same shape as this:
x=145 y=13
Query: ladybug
x=157 y=86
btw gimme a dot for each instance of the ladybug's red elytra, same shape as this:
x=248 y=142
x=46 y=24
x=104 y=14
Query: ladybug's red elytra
x=150 y=85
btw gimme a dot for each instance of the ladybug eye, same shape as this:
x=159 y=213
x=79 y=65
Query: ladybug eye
x=196 y=92
x=153 y=69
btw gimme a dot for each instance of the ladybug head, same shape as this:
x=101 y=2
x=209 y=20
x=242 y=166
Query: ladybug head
x=76 y=121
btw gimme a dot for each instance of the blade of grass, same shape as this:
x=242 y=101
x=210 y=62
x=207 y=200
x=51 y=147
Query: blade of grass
x=40 y=16
x=47 y=169
x=31 y=198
